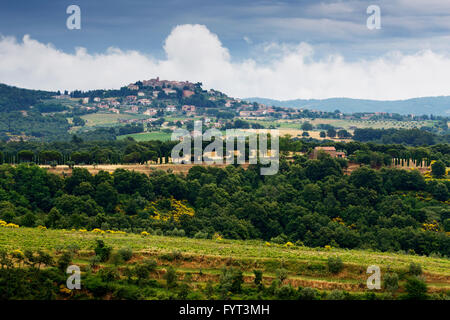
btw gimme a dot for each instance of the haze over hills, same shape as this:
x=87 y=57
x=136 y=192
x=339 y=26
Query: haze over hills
x=418 y=106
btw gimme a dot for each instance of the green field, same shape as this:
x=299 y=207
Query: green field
x=146 y=136
x=108 y=119
x=346 y=124
x=206 y=258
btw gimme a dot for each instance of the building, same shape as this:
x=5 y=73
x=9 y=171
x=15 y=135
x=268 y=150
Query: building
x=328 y=150
x=188 y=108
x=171 y=108
x=187 y=93
x=150 y=112
x=144 y=102
x=133 y=87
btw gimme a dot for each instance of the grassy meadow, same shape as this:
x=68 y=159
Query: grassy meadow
x=203 y=259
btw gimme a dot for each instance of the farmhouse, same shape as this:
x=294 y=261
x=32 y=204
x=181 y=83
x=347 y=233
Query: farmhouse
x=328 y=150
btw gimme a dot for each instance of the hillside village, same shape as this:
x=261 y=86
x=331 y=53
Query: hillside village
x=165 y=104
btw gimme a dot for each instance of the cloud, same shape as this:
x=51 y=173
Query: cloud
x=194 y=53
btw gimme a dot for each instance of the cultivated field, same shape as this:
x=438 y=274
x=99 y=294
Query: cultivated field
x=142 y=168
x=108 y=119
x=203 y=259
x=147 y=136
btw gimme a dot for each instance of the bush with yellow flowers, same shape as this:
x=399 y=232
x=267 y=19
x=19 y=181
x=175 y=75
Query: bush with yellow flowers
x=97 y=230
x=288 y=244
x=115 y=232
x=434 y=226
x=145 y=233
x=217 y=237
x=168 y=209
x=12 y=225
x=42 y=227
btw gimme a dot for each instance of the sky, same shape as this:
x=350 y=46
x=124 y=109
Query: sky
x=272 y=49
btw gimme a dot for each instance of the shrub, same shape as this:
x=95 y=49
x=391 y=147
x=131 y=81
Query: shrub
x=258 y=276
x=336 y=295
x=108 y=274
x=416 y=289
x=282 y=274
x=308 y=294
x=116 y=258
x=171 y=277
x=280 y=239
x=64 y=261
x=231 y=280
x=285 y=292
x=126 y=254
x=335 y=265
x=201 y=235
x=415 y=269
x=391 y=282
x=174 y=255
x=102 y=251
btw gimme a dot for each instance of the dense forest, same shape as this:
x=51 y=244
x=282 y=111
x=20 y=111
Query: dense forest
x=413 y=137
x=14 y=99
x=309 y=201
x=85 y=150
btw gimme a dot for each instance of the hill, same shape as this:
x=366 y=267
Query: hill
x=418 y=106
x=203 y=261
x=13 y=98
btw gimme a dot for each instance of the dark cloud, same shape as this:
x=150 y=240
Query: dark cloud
x=331 y=25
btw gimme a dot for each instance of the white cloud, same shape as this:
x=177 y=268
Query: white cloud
x=194 y=53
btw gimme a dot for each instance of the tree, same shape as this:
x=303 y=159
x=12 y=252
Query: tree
x=26 y=155
x=331 y=133
x=323 y=134
x=416 y=289
x=391 y=282
x=258 y=277
x=102 y=251
x=438 y=169
x=306 y=126
x=335 y=264
x=171 y=277
x=343 y=134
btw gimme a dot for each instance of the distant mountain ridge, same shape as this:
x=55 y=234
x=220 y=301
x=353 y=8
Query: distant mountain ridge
x=418 y=106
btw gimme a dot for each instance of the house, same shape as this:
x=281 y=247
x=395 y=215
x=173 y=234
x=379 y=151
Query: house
x=102 y=106
x=97 y=99
x=171 y=108
x=187 y=93
x=144 y=102
x=141 y=94
x=150 y=112
x=169 y=91
x=133 y=87
x=188 y=108
x=328 y=150
x=114 y=110
x=85 y=100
